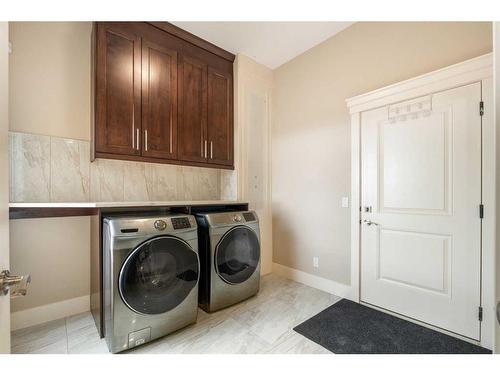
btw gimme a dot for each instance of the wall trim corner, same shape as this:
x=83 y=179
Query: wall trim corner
x=46 y=313
x=329 y=286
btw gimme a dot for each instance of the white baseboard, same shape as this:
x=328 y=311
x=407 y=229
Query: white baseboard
x=329 y=286
x=46 y=313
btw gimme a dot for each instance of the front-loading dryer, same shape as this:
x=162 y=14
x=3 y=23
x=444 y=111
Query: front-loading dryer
x=150 y=277
x=229 y=248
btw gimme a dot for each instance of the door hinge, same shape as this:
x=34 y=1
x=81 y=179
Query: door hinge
x=481 y=108
x=481 y=211
x=480 y=314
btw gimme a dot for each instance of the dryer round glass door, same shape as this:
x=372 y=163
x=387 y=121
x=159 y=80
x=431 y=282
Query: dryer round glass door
x=158 y=275
x=237 y=255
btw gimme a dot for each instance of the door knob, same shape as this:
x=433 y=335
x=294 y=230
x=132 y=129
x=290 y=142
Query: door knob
x=369 y=222
x=19 y=283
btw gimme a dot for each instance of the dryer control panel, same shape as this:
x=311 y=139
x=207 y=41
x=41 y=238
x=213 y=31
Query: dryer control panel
x=231 y=218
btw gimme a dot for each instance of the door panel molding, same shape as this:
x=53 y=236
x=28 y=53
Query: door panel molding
x=418 y=126
x=397 y=275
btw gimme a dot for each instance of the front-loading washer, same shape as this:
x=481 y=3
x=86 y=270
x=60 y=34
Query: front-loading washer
x=150 y=277
x=229 y=248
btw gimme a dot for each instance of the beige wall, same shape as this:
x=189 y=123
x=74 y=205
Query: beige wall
x=56 y=252
x=4 y=186
x=253 y=99
x=50 y=78
x=311 y=135
x=49 y=95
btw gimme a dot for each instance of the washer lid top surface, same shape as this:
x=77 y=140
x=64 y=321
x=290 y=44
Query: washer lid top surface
x=158 y=275
x=237 y=255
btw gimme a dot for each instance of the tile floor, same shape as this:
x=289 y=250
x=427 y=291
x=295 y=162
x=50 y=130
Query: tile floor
x=262 y=324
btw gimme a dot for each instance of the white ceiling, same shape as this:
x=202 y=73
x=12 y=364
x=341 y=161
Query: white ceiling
x=269 y=43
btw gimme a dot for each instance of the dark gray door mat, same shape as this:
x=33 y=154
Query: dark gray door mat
x=350 y=328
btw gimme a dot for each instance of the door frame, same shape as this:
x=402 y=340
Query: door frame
x=5 y=325
x=479 y=69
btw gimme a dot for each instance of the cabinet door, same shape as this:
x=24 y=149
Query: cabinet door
x=220 y=117
x=159 y=101
x=191 y=132
x=118 y=96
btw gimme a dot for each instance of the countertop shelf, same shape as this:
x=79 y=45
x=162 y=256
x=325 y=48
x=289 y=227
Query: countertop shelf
x=62 y=209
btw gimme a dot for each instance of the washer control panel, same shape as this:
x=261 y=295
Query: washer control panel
x=160 y=224
x=180 y=222
x=237 y=218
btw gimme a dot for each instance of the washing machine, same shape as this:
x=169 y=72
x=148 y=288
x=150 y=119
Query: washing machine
x=150 y=277
x=229 y=245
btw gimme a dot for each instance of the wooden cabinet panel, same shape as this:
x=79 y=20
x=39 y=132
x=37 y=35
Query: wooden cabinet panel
x=162 y=95
x=191 y=139
x=159 y=101
x=118 y=96
x=220 y=117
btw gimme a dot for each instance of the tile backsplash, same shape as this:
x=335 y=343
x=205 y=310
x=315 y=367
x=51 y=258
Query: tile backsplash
x=52 y=169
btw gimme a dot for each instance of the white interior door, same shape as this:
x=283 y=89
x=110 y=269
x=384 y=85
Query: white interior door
x=4 y=187
x=421 y=189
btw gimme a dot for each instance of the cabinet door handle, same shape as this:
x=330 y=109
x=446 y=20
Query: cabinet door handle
x=206 y=149
x=133 y=126
x=211 y=150
x=146 y=139
x=137 y=134
x=171 y=129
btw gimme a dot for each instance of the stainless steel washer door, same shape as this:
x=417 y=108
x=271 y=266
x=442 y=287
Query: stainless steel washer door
x=237 y=255
x=158 y=275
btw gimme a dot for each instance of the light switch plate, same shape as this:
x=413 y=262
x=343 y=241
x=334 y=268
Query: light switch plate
x=345 y=202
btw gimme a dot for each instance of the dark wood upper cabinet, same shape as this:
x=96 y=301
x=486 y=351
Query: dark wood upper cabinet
x=220 y=117
x=118 y=95
x=192 y=140
x=159 y=101
x=162 y=95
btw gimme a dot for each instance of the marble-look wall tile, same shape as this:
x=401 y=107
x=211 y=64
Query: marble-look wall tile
x=209 y=183
x=135 y=180
x=30 y=168
x=163 y=181
x=198 y=184
x=69 y=170
x=52 y=169
x=106 y=180
x=228 y=184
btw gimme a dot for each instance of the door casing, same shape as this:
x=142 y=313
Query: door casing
x=4 y=185
x=479 y=69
